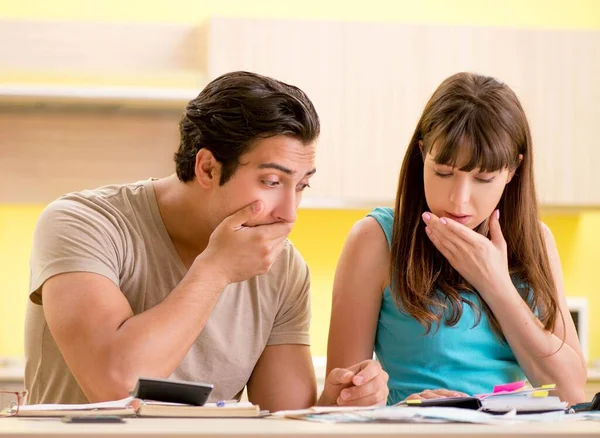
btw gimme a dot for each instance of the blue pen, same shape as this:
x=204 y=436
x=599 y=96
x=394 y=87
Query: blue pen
x=222 y=403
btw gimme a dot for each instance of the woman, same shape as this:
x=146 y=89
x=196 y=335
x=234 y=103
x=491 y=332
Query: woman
x=460 y=286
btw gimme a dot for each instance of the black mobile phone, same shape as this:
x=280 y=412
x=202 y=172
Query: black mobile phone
x=92 y=419
x=455 y=402
x=172 y=391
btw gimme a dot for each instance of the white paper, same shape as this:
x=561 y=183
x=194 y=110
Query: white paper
x=117 y=404
x=455 y=415
x=323 y=410
x=236 y=405
x=421 y=415
x=522 y=403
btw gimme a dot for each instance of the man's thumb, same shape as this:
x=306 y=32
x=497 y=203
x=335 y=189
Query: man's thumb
x=241 y=217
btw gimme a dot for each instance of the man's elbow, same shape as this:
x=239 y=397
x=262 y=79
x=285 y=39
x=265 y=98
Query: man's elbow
x=107 y=388
x=108 y=383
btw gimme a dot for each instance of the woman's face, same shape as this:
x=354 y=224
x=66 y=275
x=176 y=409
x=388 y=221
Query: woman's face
x=466 y=197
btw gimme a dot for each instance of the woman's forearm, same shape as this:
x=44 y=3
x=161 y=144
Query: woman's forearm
x=544 y=357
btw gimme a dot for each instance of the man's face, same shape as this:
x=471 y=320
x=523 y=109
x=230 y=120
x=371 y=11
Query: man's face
x=276 y=171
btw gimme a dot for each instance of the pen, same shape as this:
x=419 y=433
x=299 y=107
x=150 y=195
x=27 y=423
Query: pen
x=222 y=403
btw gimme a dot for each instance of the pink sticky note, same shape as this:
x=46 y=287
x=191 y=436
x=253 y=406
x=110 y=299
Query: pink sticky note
x=509 y=387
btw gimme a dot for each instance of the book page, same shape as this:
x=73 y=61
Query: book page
x=117 y=404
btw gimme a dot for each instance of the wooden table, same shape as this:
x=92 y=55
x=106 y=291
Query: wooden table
x=272 y=428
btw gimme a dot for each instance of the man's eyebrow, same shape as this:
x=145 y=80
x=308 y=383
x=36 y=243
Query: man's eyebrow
x=283 y=169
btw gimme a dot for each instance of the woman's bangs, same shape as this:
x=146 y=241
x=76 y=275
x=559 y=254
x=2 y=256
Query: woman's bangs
x=467 y=144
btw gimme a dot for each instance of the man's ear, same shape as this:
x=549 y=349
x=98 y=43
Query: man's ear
x=512 y=172
x=207 y=168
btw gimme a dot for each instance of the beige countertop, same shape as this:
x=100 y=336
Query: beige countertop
x=254 y=428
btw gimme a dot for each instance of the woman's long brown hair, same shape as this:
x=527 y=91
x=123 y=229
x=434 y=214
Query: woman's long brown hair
x=476 y=116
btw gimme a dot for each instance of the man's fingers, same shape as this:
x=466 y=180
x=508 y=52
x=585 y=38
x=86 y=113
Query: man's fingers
x=240 y=217
x=277 y=230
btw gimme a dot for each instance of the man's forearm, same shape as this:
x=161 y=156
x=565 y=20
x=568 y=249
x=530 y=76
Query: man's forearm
x=154 y=343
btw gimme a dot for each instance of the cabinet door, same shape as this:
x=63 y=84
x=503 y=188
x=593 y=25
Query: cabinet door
x=378 y=113
x=392 y=70
x=582 y=145
x=562 y=101
x=77 y=150
x=307 y=54
x=371 y=81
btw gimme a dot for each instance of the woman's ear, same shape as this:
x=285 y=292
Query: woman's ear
x=207 y=168
x=512 y=172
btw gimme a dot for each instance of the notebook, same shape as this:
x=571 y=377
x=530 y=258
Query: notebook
x=505 y=398
x=133 y=407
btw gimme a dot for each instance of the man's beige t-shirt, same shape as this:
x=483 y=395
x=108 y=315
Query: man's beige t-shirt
x=117 y=232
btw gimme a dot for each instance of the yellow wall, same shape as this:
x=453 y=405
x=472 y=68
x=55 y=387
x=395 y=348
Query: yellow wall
x=319 y=234
x=521 y=13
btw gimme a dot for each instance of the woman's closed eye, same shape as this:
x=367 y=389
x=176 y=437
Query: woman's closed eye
x=485 y=177
x=443 y=174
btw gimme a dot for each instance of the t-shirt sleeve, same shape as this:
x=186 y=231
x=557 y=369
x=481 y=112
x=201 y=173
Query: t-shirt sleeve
x=292 y=321
x=72 y=236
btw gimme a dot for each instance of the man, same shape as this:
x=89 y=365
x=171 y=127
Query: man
x=190 y=276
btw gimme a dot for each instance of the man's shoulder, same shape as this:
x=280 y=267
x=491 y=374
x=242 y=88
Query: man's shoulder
x=113 y=194
x=109 y=212
x=103 y=201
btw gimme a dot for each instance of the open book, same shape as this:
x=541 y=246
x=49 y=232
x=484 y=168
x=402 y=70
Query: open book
x=133 y=407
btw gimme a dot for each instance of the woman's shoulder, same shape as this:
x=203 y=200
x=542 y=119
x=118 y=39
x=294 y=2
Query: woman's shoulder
x=369 y=238
x=546 y=233
x=382 y=218
x=366 y=252
x=382 y=213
